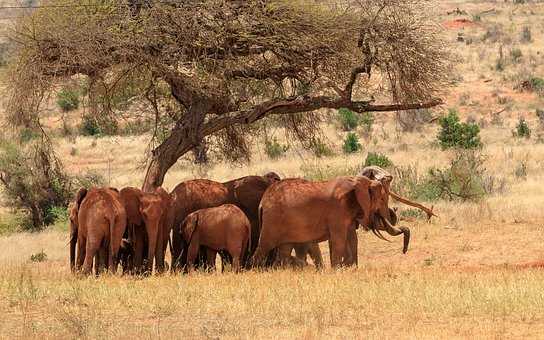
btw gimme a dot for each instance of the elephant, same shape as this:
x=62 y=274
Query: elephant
x=299 y=211
x=188 y=197
x=220 y=228
x=246 y=193
x=97 y=224
x=149 y=218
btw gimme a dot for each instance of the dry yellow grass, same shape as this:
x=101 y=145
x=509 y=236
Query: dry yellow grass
x=476 y=272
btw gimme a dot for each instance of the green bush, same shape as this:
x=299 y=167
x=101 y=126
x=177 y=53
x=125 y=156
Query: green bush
x=454 y=134
x=516 y=55
x=274 y=149
x=351 y=143
x=464 y=178
x=377 y=159
x=348 y=119
x=522 y=129
x=91 y=126
x=68 y=99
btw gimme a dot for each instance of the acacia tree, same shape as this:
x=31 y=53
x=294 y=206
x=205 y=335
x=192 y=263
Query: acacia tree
x=212 y=68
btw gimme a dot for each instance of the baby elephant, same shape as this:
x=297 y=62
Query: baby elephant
x=221 y=228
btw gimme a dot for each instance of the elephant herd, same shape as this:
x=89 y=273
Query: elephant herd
x=253 y=221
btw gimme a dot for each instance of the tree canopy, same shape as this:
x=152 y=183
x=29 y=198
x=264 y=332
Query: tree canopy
x=215 y=67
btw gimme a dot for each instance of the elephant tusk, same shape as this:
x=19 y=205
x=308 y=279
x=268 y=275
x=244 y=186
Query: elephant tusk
x=379 y=234
x=430 y=213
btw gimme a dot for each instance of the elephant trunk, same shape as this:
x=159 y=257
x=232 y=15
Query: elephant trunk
x=394 y=232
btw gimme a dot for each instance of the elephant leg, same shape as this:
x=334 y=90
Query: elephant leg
x=284 y=252
x=178 y=259
x=116 y=236
x=92 y=248
x=151 y=248
x=226 y=260
x=139 y=250
x=81 y=247
x=160 y=251
x=210 y=258
x=315 y=255
x=192 y=251
x=351 y=258
x=301 y=251
x=100 y=260
x=337 y=241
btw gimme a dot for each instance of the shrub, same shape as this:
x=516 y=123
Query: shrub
x=533 y=84
x=454 y=134
x=540 y=115
x=351 y=143
x=91 y=126
x=522 y=129
x=377 y=159
x=68 y=99
x=274 y=149
x=38 y=257
x=33 y=181
x=367 y=120
x=348 y=119
x=463 y=179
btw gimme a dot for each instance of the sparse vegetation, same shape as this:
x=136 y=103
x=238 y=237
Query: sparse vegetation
x=274 y=149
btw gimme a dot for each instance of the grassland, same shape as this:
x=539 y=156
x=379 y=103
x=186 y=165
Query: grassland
x=475 y=272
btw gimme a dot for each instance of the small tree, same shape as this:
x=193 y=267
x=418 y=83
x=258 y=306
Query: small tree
x=454 y=134
x=522 y=129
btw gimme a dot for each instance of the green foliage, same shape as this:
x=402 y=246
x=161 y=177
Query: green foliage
x=68 y=99
x=366 y=121
x=274 y=149
x=11 y=223
x=378 y=159
x=454 y=134
x=348 y=119
x=91 y=126
x=39 y=257
x=351 y=143
x=522 y=129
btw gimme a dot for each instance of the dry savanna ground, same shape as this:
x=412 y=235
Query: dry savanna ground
x=477 y=271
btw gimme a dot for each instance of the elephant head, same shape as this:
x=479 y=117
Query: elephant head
x=74 y=224
x=373 y=199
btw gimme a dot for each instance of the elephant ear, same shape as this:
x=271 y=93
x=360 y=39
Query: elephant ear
x=249 y=191
x=189 y=226
x=365 y=198
x=80 y=196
